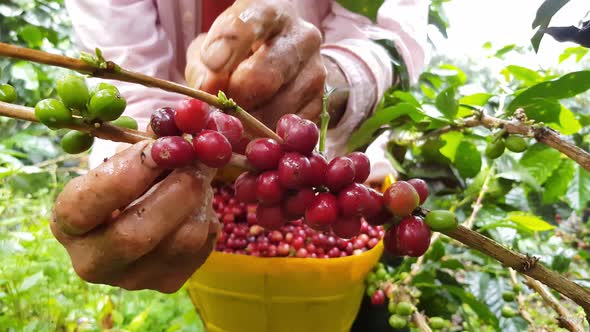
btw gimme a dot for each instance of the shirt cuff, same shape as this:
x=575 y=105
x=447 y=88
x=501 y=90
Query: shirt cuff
x=368 y=71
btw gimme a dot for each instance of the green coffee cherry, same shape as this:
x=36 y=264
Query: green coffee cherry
x=103 y=86
x=371 y=289
x=436 y=323
x=508 y=296
x=397 y=322
x=517 y=288
x=403 y=275
x=381 y=274
x=495 y=149
x=106 y=105
x=75 y=142
x=125 y=122
x=52 y=113
x=391 y=306
x=7 y=93
x=73 y=92
x=371 y=278
x=441 y=220
x=516 y=143
x=404 y=309
x=508 y=312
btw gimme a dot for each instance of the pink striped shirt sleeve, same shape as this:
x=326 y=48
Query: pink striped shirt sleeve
x=349 y=41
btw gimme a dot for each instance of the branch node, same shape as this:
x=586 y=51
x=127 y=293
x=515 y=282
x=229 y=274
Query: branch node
x=541 y=133
x=520 y=115
x=529 y=263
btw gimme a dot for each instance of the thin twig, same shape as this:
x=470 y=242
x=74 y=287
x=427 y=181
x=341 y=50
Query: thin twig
x=477 y=205
x=105 y=131
x=541 y=133
x=565 y=319
x=521 y=300
x=60 y=159
x=114 y=72
x=420 y=321
x=524 y=264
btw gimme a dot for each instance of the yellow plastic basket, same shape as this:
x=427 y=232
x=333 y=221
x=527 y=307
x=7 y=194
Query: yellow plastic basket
x=239 y=293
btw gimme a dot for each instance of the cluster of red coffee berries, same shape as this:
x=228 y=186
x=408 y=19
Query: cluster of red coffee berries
x=292 y=181
x=194 y=130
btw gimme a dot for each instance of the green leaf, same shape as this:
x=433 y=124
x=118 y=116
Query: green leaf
x=560 y=263
x=429 y=92
x=546 y=12
x=476 y=99
x=567 y=86
x=554 y=114
x=432 y=79
x=529 y=221
x=31 y=281
x=523 y=74
x=368 y=8
x=436 y=19
x=406 y=97
x=578 y=51
x=556 y=186
x=467 y=159
x=446 y=103
x=139 y=320
x=499 y=53
x=25 y=71
x=436 y=251
x=568 y=123
x=481 y=309
x=453 y=74
x=452 y=140
x=578 y=193
x=32 y=35
x=543 y=18
x=365 y=134
x=540 y=161
x=452 y=264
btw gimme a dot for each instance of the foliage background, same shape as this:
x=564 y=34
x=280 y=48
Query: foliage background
x=535 y=202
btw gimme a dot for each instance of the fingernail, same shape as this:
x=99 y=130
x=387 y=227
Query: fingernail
x=199 y=80
x=217 y=54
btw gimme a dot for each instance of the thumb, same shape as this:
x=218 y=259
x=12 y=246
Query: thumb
x=234 y=33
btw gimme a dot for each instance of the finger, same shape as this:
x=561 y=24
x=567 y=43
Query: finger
x=143 y=225
x=273 y=65
x=238 y=29
x=89 y=200
x=163 y=273
x=313 y=109
x=306 y=86
x=198 y=75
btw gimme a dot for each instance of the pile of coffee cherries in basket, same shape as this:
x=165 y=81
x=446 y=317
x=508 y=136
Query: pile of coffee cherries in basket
x=241 y=233
x=292 y=185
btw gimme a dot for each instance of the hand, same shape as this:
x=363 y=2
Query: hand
x=264 y=56
x=127 y=224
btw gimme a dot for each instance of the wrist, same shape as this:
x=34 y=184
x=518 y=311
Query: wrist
x=338 y=99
